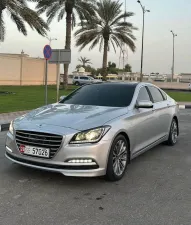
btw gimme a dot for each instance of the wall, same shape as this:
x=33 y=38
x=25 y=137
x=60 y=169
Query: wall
x=23 y=70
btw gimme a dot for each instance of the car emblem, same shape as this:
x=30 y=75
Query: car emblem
x=39 y=125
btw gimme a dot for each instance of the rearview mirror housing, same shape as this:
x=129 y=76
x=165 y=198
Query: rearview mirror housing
x=144 y=105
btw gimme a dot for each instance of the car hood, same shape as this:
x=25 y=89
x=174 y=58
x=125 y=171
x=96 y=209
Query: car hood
x=78 y=117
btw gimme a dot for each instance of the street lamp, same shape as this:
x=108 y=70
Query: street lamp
x=143 y=30
x=173 y=35
x=51 y=39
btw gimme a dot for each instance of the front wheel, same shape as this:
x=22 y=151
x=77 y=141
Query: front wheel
x=173 y=134
x=118 y=159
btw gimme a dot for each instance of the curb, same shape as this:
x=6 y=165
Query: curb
x=5 y=127
x=184 y=106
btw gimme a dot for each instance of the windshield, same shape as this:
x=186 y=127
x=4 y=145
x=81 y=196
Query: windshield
x=91 y=78
x=112 y=95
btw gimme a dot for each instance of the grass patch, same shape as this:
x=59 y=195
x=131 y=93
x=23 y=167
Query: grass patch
x=28 y=97
x=31 y=97
x=180 y=96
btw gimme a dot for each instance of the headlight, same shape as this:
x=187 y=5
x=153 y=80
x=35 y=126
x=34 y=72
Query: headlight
x=11 y=128
x=90 y=136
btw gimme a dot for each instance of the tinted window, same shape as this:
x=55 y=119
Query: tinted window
x=75 y=77
x=113 y=95
x=157 y=96
x=84 y=78
x=143 y=95
x=164 y=95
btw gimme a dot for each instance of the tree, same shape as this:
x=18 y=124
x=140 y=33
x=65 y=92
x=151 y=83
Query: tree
x=78 y=66
x=111 y=65
x=128 y=68
x=111 y=69
x=90 y=69
x=107 y=28
x=20 y=13
x=84 y=61
x=84 y=9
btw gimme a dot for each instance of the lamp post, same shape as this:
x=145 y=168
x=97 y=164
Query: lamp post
x=173 y=35
x=143 y=30
x=51 y=39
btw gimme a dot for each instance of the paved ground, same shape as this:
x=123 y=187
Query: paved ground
x=7 y=117
x=155 y=191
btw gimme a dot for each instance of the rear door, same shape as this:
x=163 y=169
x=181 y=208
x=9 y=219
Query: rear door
x=161 y=107
x=84 y=80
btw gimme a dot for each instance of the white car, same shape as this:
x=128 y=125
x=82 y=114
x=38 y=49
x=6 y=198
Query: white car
x=80 y=80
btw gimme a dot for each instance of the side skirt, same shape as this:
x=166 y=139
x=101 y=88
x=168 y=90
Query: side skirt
x=141 y=151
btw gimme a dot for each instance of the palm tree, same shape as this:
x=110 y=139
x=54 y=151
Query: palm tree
x=21 y=13
x=84 y=9
x=108 y=27
x=84 y=61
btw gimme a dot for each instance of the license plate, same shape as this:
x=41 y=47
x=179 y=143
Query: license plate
x=35 y=151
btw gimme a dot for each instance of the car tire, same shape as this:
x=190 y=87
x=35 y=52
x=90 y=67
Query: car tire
x=118 y=159
x=77 y=83
x=173 y=134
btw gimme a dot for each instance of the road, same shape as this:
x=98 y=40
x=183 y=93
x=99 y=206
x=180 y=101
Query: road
x=156 y=190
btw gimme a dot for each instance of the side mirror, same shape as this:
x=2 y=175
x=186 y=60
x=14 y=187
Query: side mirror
x=144 y=105
x=62 y=97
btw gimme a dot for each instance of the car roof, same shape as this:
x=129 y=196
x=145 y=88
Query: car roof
x=130 y=84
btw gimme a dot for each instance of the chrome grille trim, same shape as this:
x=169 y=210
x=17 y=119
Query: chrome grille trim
x=39 y=139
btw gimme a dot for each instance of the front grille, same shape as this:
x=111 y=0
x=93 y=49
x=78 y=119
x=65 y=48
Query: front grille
x=39 y=139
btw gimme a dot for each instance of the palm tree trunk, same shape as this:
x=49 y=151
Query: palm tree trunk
x=67 y=46
x=104 y=67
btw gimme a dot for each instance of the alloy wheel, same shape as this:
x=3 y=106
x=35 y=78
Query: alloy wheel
x=120 y=157
x=174 y=132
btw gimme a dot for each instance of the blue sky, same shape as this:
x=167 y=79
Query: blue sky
x=165 y=15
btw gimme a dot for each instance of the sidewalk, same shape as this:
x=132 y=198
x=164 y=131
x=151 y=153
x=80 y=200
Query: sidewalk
x=6 y=118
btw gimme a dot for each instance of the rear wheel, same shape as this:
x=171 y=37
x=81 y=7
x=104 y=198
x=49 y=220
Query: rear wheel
x=173 y=134
x=118 y=159
x=77 y=83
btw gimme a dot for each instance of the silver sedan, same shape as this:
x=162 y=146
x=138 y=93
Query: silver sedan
x=94 y=131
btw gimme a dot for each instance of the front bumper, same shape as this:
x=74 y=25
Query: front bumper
x=59 y=163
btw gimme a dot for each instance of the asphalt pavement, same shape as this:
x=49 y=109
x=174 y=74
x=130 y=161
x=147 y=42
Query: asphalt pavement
x=156 y=190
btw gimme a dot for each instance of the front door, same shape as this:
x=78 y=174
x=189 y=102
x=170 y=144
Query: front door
x=145 y=123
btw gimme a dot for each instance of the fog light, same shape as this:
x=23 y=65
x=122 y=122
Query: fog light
x=80 y=161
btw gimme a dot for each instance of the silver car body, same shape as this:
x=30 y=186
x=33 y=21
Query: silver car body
x=144 y=129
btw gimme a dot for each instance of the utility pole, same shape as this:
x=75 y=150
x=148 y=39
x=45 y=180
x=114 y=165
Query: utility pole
x=143 y=30
x=173 y=35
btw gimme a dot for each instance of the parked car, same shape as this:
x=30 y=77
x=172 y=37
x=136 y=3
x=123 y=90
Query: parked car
x=189 y=86
x=96 y=130
x=81 y=80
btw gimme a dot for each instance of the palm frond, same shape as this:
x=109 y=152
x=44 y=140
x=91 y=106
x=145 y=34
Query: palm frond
x=107 y=25
x=52 y=12
x=122 y=16
x=34 y=20
x=20 y=14
x=19 y=23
